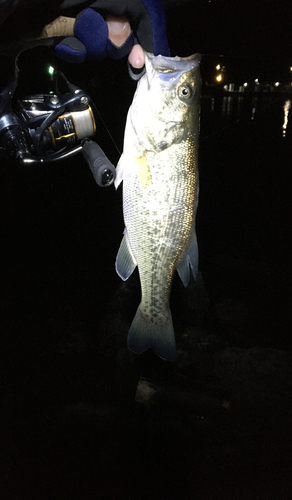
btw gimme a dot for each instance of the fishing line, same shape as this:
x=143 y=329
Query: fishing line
x=106 y=128
x=223 y=128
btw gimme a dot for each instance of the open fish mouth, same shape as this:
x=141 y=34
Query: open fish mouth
x=174 y=63
x=169 y=69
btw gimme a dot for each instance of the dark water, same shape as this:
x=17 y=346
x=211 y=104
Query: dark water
x=245 y=161
x=70 y=425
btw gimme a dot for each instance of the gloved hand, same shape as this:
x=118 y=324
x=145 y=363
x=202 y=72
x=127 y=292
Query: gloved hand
x=91 y=32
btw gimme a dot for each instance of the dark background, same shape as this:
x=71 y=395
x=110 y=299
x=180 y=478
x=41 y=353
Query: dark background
x=218 y=425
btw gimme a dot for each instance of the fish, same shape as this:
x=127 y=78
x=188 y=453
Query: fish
x=159 y=171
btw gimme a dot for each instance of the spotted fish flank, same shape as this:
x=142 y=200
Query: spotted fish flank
x=159 y=170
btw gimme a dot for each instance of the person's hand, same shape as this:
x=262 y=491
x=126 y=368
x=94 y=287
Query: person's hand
x=119 y=30
x=112 y=34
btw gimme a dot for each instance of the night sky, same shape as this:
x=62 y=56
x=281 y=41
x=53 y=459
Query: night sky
x=254 y=35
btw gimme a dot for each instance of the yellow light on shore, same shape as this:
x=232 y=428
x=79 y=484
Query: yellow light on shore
x=218 y=67
x=219 y=78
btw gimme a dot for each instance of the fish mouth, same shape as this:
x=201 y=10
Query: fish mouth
x=174 y=63
x=166 y=64
x=169 y=69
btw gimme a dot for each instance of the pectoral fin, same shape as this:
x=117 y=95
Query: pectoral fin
x=120 y=170
x=125 y=261
x=189 y=261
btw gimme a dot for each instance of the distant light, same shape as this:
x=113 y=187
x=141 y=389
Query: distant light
x=218 y=67
x=245 y=84
x=51 y=70
x=256 y=80
x=290 y=68
x=219 y=78
x=286 y=108
x=277 y=84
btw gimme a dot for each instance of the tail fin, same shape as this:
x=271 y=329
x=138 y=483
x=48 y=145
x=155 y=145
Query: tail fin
x=145 y=335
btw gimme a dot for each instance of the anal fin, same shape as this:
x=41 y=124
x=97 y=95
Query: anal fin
x=189 y=261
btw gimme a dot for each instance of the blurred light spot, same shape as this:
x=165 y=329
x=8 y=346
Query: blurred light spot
x=286 y=108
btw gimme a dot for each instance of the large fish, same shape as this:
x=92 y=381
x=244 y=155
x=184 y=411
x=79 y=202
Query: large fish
x=159 y=170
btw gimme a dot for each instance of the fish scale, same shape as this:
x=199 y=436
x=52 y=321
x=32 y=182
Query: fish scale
x=159 y=169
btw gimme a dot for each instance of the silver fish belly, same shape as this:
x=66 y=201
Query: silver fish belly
x=159 y=170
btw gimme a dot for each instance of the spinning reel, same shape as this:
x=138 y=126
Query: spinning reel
x=45 y=128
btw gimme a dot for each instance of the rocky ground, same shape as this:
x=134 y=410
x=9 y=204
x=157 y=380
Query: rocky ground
x=82 y=417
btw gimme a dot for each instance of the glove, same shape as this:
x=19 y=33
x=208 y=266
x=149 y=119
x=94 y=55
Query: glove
x=91 y=31
x=91 y=40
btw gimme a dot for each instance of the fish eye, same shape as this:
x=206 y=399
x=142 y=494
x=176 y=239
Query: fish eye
x=185 y=92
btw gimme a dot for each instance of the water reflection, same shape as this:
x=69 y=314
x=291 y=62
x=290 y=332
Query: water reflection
x=212 y=103
x=226 y=108
x=254 y=105
x=239 y=104
x=231 y=105
x=286 y=108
